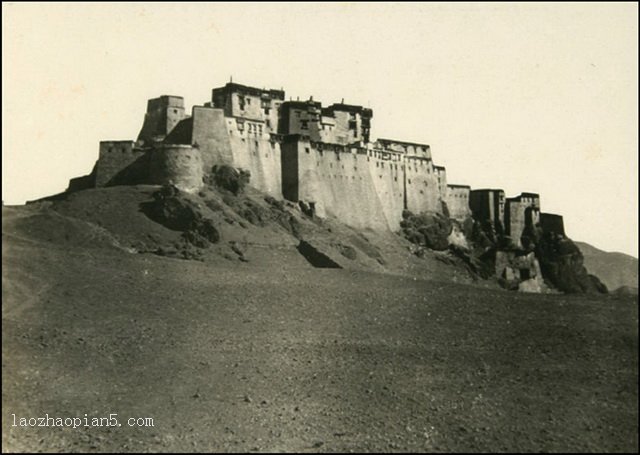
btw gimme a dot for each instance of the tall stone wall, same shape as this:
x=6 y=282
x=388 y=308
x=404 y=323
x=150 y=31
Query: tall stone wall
x=457 y=199
x=242 y=143
x=180 y=165
x=257 y=151
x=489 y=205
x=518 y=216
x=210 y=135
x=114 y=157
x=336 y=181
x=422 y=188
x=388 y=175
x=441 y=175
x=520 y=212
x=514 y=220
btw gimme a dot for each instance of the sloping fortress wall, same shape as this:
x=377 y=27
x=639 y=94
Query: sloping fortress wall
x=304 y=152
x=334 y=180
x=387 y=172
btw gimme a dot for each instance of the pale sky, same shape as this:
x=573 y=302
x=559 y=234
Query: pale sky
x=525 y=97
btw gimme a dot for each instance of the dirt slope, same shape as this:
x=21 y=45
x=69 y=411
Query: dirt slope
x=274 y=354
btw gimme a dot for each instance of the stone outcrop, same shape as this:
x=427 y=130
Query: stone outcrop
x=562 y=265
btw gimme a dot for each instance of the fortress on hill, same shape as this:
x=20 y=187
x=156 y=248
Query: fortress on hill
x=305 y=153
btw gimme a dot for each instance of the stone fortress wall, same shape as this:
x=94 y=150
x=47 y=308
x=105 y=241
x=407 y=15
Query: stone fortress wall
x=114 y=157
x=180 y=165
x=304 y=152
x=457 y=199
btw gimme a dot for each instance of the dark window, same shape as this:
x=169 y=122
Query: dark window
x=306 y=149
x=304 y=125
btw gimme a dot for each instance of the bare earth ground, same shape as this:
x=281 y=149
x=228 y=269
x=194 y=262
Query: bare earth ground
x=232 y=356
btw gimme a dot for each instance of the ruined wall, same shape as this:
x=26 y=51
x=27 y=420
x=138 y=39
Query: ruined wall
x=180 y=165
x=457 y=199
x=82 y=183
x=422 y=188
x=114 y=157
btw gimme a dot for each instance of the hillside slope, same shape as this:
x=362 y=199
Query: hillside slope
x=614 y=269
x=101 y=314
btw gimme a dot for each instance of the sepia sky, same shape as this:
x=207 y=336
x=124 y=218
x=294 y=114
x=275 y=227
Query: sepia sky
x=525 y=97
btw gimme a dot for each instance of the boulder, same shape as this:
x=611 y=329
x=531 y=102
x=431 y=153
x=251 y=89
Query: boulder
x=429 y=229
x=562 y=264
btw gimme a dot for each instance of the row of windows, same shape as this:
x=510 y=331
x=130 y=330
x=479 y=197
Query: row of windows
x=123 y=150
x=334 y=176
x=304 y=125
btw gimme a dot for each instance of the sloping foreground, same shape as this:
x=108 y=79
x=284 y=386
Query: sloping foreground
x=231 y=356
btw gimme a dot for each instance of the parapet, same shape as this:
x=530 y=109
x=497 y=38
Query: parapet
x=165 y=101
x=116 y=147
x=408 y=148
x=527 y=199
x=232 y=87
x=365 y=112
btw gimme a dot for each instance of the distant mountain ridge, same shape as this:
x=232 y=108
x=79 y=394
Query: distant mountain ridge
x=614 y=269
